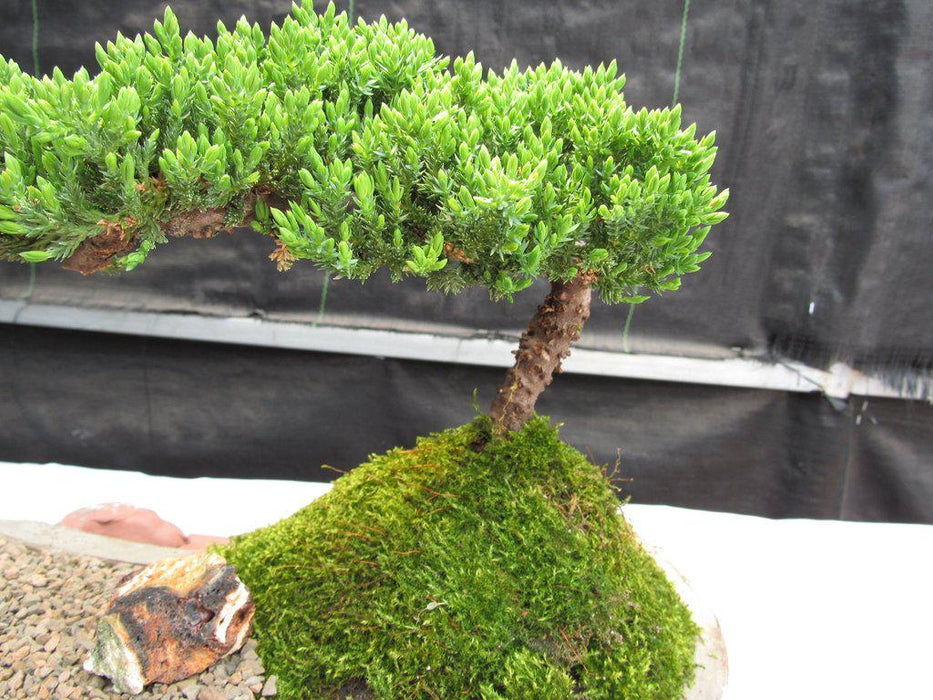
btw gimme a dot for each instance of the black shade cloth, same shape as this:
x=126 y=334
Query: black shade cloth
x=823 y=119
x=186 y=409
x=826 y=141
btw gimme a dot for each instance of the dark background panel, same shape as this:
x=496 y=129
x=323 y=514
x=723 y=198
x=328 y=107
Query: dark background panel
x=891 y=472
x=194 y=409
x=826 y=137
x=824 y=121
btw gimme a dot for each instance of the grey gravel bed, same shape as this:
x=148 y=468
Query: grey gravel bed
x=49 y=604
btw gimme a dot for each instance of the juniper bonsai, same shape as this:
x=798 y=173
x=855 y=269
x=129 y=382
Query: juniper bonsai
x=358 y=147
x=454 y=569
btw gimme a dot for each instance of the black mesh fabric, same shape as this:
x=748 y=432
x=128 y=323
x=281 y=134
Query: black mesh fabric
x=822 y=114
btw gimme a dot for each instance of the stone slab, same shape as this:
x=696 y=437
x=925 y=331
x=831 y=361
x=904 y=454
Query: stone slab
x=86 y=544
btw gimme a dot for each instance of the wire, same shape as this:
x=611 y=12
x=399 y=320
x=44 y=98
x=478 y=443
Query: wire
x=628 y=323
x=320 y=313
x=680 y=64
x=680 y=51
x=27 y=295
x=35 y=69
x=35 y=37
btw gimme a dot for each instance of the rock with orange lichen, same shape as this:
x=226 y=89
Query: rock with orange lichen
x=170 y=620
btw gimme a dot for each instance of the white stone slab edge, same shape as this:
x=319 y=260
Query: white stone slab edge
x=86 y=544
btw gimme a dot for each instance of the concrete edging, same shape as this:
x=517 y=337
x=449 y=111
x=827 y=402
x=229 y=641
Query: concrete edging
x=86 y=544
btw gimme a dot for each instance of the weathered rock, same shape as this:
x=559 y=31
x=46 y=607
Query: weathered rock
x=170 y=620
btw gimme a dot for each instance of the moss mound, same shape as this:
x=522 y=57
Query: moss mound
x=451 y=571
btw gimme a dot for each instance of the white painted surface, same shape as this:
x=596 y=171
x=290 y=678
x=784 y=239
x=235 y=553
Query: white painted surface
x=839 y=382
x=48 y=492
x=820 y=610
x=809 y=609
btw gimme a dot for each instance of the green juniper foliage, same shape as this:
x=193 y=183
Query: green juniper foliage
x=384 y=154
x=443 y=572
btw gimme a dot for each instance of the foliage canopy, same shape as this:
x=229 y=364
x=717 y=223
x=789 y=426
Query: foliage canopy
x=378 y=151
x=445 y=572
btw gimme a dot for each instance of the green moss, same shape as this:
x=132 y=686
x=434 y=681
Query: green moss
x=446 y=572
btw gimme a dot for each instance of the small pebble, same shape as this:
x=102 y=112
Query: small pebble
x=189 y=688
x=52 y=644
x=16 y=682
x=268 y=690
x=250 y=668
x=212 y=694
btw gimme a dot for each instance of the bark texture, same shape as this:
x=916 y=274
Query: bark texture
x=118 y=238
x=555 y=326
x=97 y=253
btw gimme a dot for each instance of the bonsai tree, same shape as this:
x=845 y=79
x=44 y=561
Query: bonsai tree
x=357 y=147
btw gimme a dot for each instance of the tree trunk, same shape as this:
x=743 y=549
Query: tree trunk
x=555 y=326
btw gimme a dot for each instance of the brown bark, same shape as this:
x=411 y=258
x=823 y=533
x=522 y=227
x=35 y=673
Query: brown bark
x=198 y=223
x=97 y=253
x=555 y=326
x=118 y=238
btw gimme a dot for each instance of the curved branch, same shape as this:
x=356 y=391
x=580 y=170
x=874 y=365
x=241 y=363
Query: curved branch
x=118 y=238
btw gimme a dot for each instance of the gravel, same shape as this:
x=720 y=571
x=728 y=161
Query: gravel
x=49 y=605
